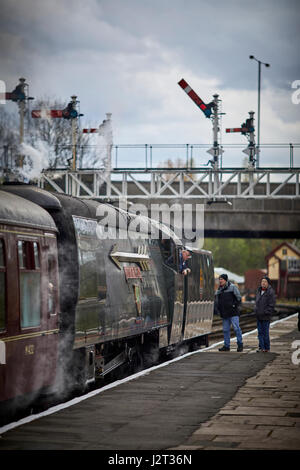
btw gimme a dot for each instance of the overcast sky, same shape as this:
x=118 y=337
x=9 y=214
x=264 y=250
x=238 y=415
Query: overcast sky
x=126 y=57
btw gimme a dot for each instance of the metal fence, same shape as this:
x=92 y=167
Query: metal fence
x=152 y=156
x=195 y=155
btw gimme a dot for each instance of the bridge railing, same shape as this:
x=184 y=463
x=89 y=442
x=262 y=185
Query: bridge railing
x=195 y=155
x=150 y=156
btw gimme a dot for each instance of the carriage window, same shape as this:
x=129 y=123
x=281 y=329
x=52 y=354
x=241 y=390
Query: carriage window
x=30 y=283
x=207 y=278
x=2 y=286
x=88 y=274
x=36 y=255
x=52 y=288
x=210 y=278
x=169 y=253
x=92 y=275
x=201 y=280
x=20 y=254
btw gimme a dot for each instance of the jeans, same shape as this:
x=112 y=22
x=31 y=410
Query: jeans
x=263 y=327
x=226 y=330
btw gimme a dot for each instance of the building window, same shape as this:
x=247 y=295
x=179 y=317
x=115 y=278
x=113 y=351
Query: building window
x=284 y=251
x=30 y=283
x=2 y=286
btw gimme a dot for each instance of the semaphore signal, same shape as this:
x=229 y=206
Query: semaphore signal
x=206 y=108
x=210 y=110
x=247 y=129
x=70 y=112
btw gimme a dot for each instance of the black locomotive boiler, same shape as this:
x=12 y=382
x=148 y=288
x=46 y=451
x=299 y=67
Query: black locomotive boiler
x=81 y=298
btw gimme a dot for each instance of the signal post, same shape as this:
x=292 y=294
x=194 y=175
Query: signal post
x=247 y=129
x=19 y=96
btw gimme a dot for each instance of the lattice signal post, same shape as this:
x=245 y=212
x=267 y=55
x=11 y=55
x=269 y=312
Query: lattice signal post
x=19 y=95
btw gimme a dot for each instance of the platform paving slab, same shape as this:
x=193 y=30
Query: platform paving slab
x=264 y=414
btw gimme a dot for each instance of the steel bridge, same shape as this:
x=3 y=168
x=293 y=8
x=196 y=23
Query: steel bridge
x=238 y=201
x=245 y=203
x=177 y=183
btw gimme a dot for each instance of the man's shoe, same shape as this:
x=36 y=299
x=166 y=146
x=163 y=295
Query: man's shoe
x=224 y=348
x=240 y=348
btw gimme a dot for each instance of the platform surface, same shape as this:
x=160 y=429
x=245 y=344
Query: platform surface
x=206 y=400
x=264 y=414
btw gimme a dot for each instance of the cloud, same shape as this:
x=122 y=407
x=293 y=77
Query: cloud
x=127 y=57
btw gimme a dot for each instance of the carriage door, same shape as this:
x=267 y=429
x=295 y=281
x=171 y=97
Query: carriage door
x=32 y=346
x=194 y=295
x=51 y=307
x=180 y=295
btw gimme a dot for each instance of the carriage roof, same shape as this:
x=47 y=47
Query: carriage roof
x=15 y=210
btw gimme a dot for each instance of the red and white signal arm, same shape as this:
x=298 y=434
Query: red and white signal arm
x=46 y=113
x=90 y=131
x=237 y=129
x=193 y=95
x=234 y=129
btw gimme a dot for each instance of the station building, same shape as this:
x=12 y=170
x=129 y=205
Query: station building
x=283 y=269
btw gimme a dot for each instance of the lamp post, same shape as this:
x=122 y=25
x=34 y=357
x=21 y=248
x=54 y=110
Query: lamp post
x=258 y=105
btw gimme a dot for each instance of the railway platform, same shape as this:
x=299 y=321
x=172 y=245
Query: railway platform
x=264 y=414
x=205 y=400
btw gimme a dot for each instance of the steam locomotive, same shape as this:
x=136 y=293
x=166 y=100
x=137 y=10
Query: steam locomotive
x=81 y=298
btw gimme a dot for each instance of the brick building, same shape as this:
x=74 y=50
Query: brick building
x=253 y=279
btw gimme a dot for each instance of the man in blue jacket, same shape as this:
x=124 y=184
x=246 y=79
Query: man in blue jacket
x=227 y=300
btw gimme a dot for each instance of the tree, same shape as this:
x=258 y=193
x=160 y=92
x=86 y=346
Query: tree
x=179 y=163
x=8 y=128
x=55 y=135
x=240 y=254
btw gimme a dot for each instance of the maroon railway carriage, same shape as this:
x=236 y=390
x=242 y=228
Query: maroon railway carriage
x=76 y=305
x=28 y=299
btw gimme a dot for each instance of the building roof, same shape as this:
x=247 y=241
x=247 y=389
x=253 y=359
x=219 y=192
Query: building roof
x=289 y=245
x=231 y=276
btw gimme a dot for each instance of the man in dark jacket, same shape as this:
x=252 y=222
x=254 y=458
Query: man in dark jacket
x=227 y=301
x=264 y=308
x=184 y=256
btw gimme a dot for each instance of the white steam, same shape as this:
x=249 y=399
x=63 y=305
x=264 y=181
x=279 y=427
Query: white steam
x=105 y=139
x=36 y=159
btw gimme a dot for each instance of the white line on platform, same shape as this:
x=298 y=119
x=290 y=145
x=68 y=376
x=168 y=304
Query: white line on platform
x=62 y=406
